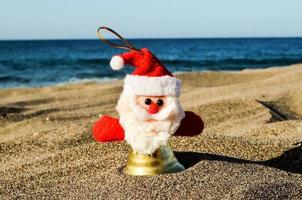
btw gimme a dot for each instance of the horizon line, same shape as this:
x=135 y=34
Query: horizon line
x=151 y=38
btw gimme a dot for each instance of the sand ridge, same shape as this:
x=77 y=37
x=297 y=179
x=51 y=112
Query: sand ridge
x=249 y=149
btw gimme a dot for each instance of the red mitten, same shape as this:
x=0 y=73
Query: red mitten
x=191 y=125
x=107 y=129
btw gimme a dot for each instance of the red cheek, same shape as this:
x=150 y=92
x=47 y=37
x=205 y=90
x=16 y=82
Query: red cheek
x=153 y=108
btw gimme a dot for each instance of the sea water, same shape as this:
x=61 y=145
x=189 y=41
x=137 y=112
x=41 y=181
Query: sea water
x=50 y=62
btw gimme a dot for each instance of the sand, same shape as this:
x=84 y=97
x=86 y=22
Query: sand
x=250 y=147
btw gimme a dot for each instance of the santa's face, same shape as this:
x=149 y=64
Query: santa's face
x=149 y=121
x=152 y=104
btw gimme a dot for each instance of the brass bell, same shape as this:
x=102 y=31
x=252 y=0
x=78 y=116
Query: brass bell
x=162 y=161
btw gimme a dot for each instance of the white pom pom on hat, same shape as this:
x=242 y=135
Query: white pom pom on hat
x=117 y=62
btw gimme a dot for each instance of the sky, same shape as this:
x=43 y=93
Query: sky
x=79 y=19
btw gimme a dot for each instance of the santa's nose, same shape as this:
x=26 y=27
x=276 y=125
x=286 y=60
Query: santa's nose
x=153 y=108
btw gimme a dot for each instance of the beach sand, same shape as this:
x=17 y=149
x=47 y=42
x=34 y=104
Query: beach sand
x=248 y=150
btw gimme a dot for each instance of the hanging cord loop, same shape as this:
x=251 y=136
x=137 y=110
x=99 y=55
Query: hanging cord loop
x=127 y=45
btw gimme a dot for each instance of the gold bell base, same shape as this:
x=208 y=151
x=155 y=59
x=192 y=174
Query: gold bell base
x=162 y=161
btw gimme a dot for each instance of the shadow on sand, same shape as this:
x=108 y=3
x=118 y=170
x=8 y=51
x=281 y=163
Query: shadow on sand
x=290 y=161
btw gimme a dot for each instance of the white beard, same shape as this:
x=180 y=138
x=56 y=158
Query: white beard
x=146 y=137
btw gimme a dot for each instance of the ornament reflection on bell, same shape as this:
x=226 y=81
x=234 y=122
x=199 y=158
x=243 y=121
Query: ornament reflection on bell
x=162 y=161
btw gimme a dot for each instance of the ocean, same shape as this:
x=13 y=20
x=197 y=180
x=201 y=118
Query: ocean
x=51 y=62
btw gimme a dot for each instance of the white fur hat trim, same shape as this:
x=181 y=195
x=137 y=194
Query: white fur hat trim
x=152 y=86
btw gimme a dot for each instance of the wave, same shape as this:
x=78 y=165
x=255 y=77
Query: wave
x=20 y=64
x=242 y=61
x=51 y=62
x=14 y=79
x=87 y=80
x=42 y=72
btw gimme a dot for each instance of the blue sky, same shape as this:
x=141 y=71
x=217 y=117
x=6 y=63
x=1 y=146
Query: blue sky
x=69 y=19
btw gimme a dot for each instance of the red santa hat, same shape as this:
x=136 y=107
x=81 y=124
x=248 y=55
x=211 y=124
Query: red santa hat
x=150 y=77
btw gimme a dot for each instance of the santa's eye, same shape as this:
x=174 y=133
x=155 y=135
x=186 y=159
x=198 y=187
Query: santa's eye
x=160 y=102
x=148 y=101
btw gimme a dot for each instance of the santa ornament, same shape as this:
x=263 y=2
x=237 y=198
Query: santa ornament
x=149 y=112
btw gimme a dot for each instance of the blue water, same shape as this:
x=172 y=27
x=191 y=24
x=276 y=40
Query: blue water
x=42 y=63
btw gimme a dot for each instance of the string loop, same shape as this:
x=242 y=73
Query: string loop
x=127 y=45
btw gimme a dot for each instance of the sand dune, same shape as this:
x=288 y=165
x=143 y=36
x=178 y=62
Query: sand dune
x=249 y=149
